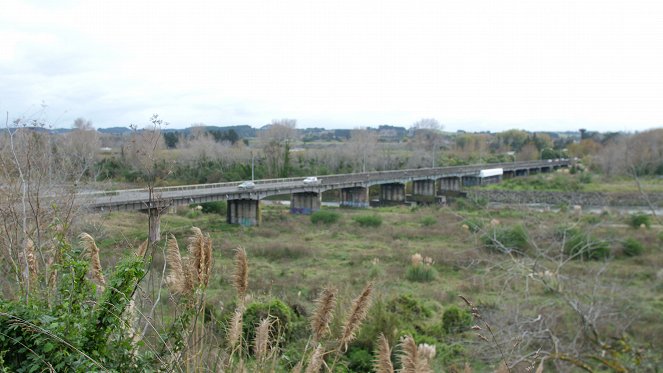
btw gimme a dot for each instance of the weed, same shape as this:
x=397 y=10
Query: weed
x=638 y=220
x=372 y=221
x=632 y=247
x=325 y=217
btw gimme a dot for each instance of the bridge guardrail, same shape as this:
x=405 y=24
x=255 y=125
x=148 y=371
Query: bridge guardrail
x=430 y=171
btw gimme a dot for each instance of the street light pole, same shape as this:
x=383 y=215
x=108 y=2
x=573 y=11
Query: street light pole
x=252 y=164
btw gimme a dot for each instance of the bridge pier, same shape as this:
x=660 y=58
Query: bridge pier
x=522 y=172
x=423 y=191
x=453 y=183
x=392 y=193
x=305 y=203
x=509 y=174
x=354 y=197
x=244 y=212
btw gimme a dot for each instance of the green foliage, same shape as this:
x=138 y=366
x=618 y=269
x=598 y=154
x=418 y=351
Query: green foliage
x=409 y=308
x=543 y=182
x=582 y=245
x=456 y=320
x=360 y=360
x=216 y=207
x=372 y=221
x=420 y=273
x=278 y=311
x=473 y=224
x=507 y=239
x=633 y=247
x=193 y=213
x=75 y=330
x=325 y=217
x=637 y=220
x=427 y=221
x=469 y=204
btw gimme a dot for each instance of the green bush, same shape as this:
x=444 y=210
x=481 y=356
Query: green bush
x=360 y=360
x=325 y=217
x=280 y=313
x=583 y=245
x=421 y=273
x=373 y=221
x=637 y=220
x=456 y=320
x=633 y=247
x=428 y=221
x=408 y=308
x=192 y=214
x=507 y=239
x=217 y=207
x=473 y=224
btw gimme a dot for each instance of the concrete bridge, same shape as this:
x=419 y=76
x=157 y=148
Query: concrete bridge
x=244 y=204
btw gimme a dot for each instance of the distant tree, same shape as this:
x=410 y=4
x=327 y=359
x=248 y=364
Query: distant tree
x=276 y=143
x=171 y=139
x=362 y=149
x=427 y=139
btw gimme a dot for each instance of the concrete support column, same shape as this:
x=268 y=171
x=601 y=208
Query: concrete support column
x=354 y=197
x=508 y=174
x=394 y=192
x=244 y=212
x=424 y=187
x=305 y=203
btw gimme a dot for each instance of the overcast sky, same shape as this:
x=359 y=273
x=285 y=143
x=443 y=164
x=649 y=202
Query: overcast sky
x=471 y=64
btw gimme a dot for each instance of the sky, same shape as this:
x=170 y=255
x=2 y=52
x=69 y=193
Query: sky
x=473 y=65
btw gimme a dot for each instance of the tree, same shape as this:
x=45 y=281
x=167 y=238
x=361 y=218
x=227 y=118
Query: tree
x=427 y=138
x=275 y=145
x=361 y=148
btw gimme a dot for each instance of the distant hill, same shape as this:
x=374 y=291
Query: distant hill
x=115 y=130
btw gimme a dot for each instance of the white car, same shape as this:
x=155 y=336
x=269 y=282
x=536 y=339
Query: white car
x=246 y=185
x=311 y=180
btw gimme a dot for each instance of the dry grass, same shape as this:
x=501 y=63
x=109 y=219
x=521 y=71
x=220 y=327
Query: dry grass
x=359 y=310
x=92 y=251
x=382 y=363
x=241 y=275
x=323 y=313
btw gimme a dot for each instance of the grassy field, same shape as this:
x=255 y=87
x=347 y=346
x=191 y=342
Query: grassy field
x=508 y=262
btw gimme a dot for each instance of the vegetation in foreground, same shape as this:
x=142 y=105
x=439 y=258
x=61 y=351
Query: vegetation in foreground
x=538 y=294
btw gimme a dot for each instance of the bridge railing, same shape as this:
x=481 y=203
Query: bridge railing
x=417 y=172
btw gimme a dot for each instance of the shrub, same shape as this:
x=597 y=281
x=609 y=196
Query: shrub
x=360 y=360
x=368 y=220
x=325 y=217
x=217 y=207
x=192 y=214
x=420 y=273
x=456 y=320
x=277 y=310
x=584 y=246
x=633 y=247
x=408 y=308
x=473 y=224
x=507 y=239
x=637 y=220
x=428 y=221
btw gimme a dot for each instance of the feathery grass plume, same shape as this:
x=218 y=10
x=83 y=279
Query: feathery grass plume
x=207 y=250
x=426 y=351
x=359 y=311
x=92 y=250
x=241 y=276
x=235 y=330
x=297 y=368
x=31 y=260
x=196 y=244
x=382 y=363
x=411 y=361
x=261 y=341
x=317 y=359
x=323 y=313
x=142 y=249
x=176 y=279
x=416 y=259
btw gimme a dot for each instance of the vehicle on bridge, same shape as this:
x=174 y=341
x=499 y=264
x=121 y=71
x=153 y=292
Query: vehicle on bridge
x=246 y=185
x=311 y=180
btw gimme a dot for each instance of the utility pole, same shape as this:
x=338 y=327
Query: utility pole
x=252 y=164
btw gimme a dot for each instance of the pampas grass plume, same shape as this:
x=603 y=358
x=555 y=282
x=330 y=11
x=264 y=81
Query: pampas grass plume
x=382 y=363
